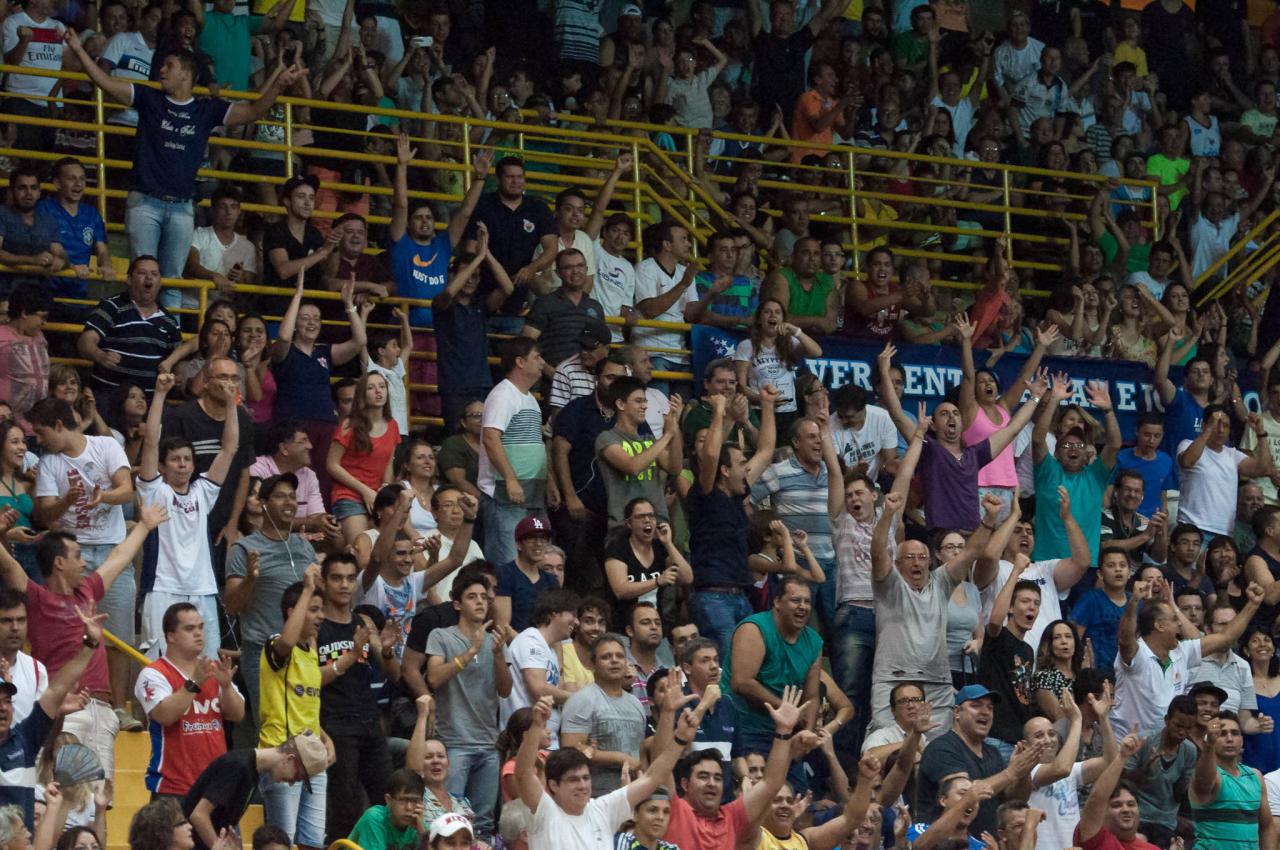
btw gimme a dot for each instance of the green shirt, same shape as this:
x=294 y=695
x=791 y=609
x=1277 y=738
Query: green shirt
x=783 y=664
x=910 y=48
x=1139 y=255
x=1169 y=171
x=374 y=831
x=1230 y=822
x=812 y=302
x=227 y=39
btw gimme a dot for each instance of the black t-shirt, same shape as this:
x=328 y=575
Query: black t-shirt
x=1005 y=667
x=620 y=549
x=278 y=235
x=513 y=236
x=580 y=422
x=947 y=755
x=228 y=783
x=351 y=695
x=779 y=74
x=426 y=621
x=717 y=539
x=205 y=433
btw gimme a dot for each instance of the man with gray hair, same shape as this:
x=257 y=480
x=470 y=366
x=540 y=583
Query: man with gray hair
x=605 y=719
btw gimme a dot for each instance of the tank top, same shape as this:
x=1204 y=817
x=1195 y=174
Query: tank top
x=1266 y=615
x=1000 y=472
x=783 y=664
x=811 y=302
x=20 y=501
x=1231 y=820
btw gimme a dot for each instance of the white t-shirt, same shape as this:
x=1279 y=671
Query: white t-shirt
x=1145 y=687
x=1041 y=572
x=656 y=413
x=553 y=829
x=1144 y=279
x=397 y=392
x=1210 y=241
x=183 y=564
x=530 y=651
x=44 y=51
x=101 y=524
x=962 y=115
x=420 y=517
x=31 y=679
x=652 y=281
x=876 y=434
x=220 y=258
x=615 y=285
x=445 y=586
x=130 y=58
x=1209 y=489
x=1060 y=802
x=1015 y=67
x=766 y=367
x=398 y=603
x=581 y=242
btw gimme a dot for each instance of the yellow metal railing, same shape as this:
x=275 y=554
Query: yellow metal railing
x=1266 y=240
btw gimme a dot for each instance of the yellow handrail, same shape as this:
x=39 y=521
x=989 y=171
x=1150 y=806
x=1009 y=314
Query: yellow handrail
x=126 y=648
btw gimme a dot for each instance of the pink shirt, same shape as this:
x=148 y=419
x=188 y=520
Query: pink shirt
x=24 y=371
x=57 y=634
x=310 y=502
x=1000 y=472
x=262 y=408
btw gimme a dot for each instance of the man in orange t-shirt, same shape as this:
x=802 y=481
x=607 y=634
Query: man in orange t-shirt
x=818 y=112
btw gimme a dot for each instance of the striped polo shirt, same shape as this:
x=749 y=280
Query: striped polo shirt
x=800 y=500
x=141 y=341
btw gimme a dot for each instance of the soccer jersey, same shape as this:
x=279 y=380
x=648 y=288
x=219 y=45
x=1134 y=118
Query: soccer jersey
x=184 y=748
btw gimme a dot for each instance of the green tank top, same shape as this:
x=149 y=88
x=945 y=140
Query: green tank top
x=1230 y=822
x=810 y=303
x=784 y=664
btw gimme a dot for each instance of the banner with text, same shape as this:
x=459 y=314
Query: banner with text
x=932 y=370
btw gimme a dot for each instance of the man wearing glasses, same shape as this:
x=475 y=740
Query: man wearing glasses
x=201 y=421
x=910 y=711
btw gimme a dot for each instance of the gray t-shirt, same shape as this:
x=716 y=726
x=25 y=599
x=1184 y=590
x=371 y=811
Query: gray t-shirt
x=620 y=488
x=1157 y=802
x=615 y=724
x=280 y=564
x=911 y=628
x=468 y=703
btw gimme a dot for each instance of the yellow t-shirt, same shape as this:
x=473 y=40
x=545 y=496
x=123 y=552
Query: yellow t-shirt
x=769 y=841
x=290 y=694
x=572 y=670
x=1129 y=53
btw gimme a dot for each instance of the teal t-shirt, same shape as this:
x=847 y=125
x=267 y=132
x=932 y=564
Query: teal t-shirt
x=1085 y=488
x=374 y=831
x=227 y=39
x=784 y=664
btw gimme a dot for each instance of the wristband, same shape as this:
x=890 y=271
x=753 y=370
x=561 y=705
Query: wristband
x=457 y=662
x=778 y=736
x=682 y=742
x=388 y=653
x=91 y=643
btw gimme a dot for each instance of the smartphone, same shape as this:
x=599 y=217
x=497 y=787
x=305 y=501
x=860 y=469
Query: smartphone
x=422 y=41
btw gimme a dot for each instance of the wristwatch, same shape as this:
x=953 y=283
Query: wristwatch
x=90 y=642
x=191 y=686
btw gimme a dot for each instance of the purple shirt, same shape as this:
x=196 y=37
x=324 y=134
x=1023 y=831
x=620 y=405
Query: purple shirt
x=951 y=484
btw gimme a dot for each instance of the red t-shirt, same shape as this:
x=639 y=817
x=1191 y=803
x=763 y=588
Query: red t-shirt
x=57 y=634
x=367 y=467
x=688 y=831
x=182 y=750
x=1106 y=840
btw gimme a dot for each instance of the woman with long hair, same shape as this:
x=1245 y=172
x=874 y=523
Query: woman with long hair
x=127 y=416
x=509 y=741
x=416 y=471
x=1259 y=649
x=1225 y=568
x=16 y=493
x=82 y=809
x=215 y=340
x=361 y=455
x=770 y=354
x=430 y=758
x=259 y=382
x=1131 y=336
x=1059 y=659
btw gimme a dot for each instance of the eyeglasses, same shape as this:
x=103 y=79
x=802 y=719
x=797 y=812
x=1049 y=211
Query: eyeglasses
x=1073 y=445
x=479 y=415
x=909 y=701
x=181 y=823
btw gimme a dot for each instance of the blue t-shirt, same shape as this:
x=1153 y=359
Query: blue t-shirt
x=303 y=385
x=1100 y=619
x=19 y=238
x=171 y=140
x=917 y=830
x=421 y=271
x=462 y=345
x=77 y=234
x=1157 y=475
x=1182 y=418
x=523 y=593
x=1085 y=488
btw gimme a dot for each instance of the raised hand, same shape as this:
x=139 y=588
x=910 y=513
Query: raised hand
x=893 y=502
x=91 y=620
x=311 y=577
x=885 y=358
x=542 y=712
x=769 y=395
x=1255 y=593
x=424 y=704
x=1062 y=387
x=1099 y=395
x=964 y=326
x=787 y=715
x=1064 y=503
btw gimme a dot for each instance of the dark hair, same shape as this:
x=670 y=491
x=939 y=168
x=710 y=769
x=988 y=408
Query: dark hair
x=1148 y=616
x=282 y=431
x=152 y=825
x=1131 y=473
x=341 y=557
x=591 y=603
x=11 y=598
x=564 y=760
x=169 y=624
x=173 y=444
x=68 y=839
x=1151 y=418
x=638 y=606
x=1273 y=668
x=687 y=763
x=516 y=348
x=566 y=194
x=850 y=397
x=568 y=252
x=1182 y=704
x=786 y=581
x=1044 y=652
x=49 y=412
x=29 y=298
x=622 y=387
x=893 y=694
x=1026 y=585
x=693 y=647
x=1090 y=680
x=1184 y=528
x=510 y=738
x=265 y=836
x=1262 y=518
x=226 y=191
x=607 y=637
x=289 y=599
x=24 y=169
x=50 y=548
x=141 y=258
x=461 y=584
x=508 y=162
x=552 y=602
x=405 y=779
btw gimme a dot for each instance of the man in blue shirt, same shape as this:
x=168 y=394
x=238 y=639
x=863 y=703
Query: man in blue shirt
x=173 y=131
x=1183 y=407
x=28 y=238
x=725 y=299
x=81 y=231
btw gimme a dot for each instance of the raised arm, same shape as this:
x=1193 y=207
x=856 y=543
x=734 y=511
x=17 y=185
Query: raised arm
x=1000 y=608
x=1127 y=631
x=766 y=436
x=1099 y=395
x=1205 y=781
x=480 y=164
x=345 y=352
x=1225 y=639
x=284 y=334
x=527 y=782
x=1006 y=435
x=1045 y=337
x=291 y=633
x=600 y=206
x=965 y=398
x=400 y=197
x=1044 y=422
x=786 y=719
x=1093 y=815
x=888 y=397
x=118 y=89
x=217 y=472
x=149 y=460
x=881 y=563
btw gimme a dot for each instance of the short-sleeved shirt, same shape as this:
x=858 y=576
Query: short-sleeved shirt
x=690 y=831
x=91 y=524
x=911 y=628
x=1100 y=619
x=1234 y=676
x=559 y=322
x=620 y=488
x=1145 y=686
x=279 y=235
x=468 y=714
x=56 y=632
x=799 y=498
x=949 y=754
x=592 y=830
x=516 y=414
x=367 y=467
x=580 y=423
x=1104 y=839
x=227 y=38
x=522 y=592
x=349 y=697
x=181 y=563
x=653 y=280
x=530 y=651
x=1005 y=667
x=864 y=445
x=302 y=382
x=27 y=239
x=739 y=301
x=1182 y=419
x=421 y=271
x=205 y=433
x=461 y=331
x=185 y=747
x=221 y=258
x=290 y=694
x=77 y=234
x=951 y=484
x=717 y=539
x=44 y=51
x=228 y=784
x=1085 y=488
x=375 y=831
x=141 y=341
x=18 y=753
x=281 y=563
x=1209 y=489
x=310 y=501
x=513 y=236
x=1157 y=476
x=1157 y=798
x=613 y=723
x=172 y=136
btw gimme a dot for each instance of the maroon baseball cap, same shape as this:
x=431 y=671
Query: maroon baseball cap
x=532 y=526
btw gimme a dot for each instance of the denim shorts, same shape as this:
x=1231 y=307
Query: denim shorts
x=344 y=508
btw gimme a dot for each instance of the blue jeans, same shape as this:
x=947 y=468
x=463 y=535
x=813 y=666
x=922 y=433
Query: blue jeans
x=853 y=652
x=291 y=807
x=119 y=602
x=717 y=614
x=501 y=517
x=162 y=229
x=824 y=599
x=473 y=773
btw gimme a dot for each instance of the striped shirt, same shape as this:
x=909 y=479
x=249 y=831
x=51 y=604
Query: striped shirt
x=800 y=500
x=853 y=557
x=572 y=380
x=516 y=414
x=141 y=341
x=1230 y=822
x=578 y=30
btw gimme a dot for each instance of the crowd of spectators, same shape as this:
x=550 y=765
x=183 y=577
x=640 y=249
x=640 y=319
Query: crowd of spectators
x=607 y=606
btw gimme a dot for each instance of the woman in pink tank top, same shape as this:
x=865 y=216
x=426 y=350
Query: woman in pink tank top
x=984 y=410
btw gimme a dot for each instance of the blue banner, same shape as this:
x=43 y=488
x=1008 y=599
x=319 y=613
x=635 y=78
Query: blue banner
x=932 y=370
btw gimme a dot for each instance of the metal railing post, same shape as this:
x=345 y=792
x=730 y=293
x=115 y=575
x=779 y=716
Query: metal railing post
x=100 y=114
x=288 y=139
x=637 y=199
x=466 y=154
x=691 y=200
x=1008 y=215
x=853 y=212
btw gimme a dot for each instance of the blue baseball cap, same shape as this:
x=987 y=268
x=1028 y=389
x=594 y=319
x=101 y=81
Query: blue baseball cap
x=971 y=692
